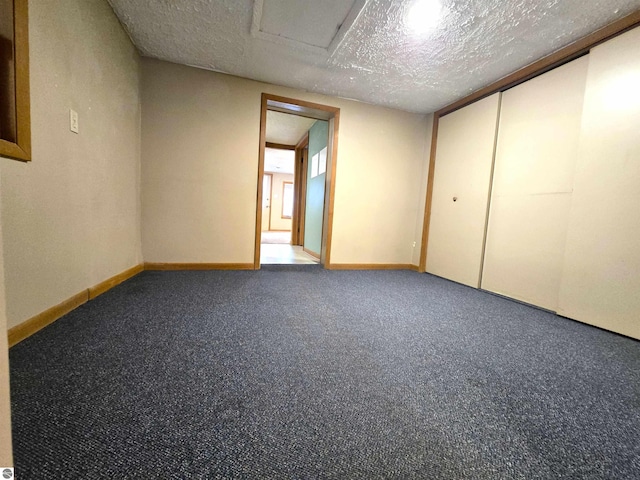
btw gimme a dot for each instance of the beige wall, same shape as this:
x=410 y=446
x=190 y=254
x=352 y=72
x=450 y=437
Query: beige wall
x=71 y=217
x=200 y=133
x=6 y=459
x=277 y=222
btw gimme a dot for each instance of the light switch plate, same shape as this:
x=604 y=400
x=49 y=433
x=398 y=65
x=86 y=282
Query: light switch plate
x=73 y=120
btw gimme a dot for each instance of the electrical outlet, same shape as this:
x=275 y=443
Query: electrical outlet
x=73 y=121
x=414 y=244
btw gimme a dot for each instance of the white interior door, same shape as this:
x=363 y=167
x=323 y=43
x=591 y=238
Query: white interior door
x=266 y=202
x=536 y=155
x=464 y=158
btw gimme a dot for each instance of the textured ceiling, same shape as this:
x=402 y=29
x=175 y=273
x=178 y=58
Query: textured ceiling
x=285 y=128
x=307 y=21
x=375 y=59
x=279 y=161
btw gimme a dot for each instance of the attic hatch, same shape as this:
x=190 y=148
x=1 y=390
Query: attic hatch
x=305 y=24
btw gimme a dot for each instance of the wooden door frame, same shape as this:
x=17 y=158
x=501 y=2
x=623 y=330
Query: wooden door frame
x=310 y=110
x=270 y=199
x=299 y=191
x=556 y=59
x=283 y=146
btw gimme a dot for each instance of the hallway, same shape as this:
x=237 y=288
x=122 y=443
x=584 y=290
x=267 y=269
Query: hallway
x=279 y=254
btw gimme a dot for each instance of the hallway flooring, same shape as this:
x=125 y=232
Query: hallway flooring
x=279 y=254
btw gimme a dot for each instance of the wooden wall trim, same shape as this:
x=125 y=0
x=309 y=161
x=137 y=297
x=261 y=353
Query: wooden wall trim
x=261 y=147
x=300 y=187
x=264 y=174
x=280 y=146
x=297 y=189
x=282 y=215
x=372 y=266
x=50 y=315
x=332 y=114
x=38 y=322
x=109 y=283
x=422 y=266
x=557 y=58
x=198 y=266
x=301 y=103
x=332 y=186
x=302 y=206
x=311 y=252
x=21 y=148
x=303 y=142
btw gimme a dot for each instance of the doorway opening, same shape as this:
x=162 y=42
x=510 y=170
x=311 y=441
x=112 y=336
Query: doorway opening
x=296 y=172
x=279 y=239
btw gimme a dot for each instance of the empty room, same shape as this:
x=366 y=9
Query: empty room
x=341 y=239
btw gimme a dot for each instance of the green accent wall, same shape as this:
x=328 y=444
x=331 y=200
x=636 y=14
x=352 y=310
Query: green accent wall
x=318 y=135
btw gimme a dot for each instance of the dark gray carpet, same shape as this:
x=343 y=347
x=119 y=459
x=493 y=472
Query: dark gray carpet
x=304 y=373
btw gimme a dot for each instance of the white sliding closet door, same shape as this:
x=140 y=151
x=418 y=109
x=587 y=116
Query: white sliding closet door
x=601 y=279
x=464 y=156
x=535 y=159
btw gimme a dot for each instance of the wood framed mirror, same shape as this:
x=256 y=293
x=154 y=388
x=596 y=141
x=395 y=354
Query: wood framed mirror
x=15 y=118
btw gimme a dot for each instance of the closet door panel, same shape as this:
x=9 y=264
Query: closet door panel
x=526 y=260
x=601 y=276
x=534 y=167
x=464 y=157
